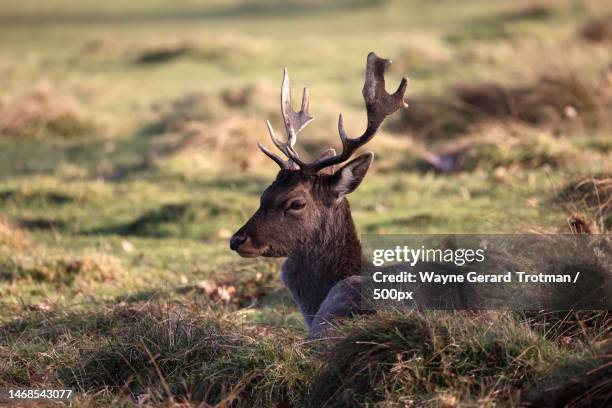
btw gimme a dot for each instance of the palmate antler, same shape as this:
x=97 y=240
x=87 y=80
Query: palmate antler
x=379 y=105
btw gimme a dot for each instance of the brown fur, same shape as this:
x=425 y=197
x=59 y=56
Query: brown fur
x=304 y=215
x=319 y=240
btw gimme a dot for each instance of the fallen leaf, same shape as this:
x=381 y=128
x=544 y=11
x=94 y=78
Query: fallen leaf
x=226 y=293
x=127 y=246
x=208 y=286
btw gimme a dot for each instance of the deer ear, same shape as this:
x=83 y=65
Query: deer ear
x=347 y=179
x=327 y=153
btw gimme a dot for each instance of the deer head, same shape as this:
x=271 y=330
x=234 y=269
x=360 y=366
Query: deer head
x=305 y=197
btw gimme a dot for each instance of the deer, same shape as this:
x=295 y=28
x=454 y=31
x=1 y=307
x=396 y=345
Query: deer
x=304 y=215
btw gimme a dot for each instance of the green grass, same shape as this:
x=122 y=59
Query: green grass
x=120 y=186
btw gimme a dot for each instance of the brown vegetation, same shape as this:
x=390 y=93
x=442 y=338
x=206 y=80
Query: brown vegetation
x=589 y=389
x=254 y=95
x=60 y=270
x=43 y=112
x=12 y=237
x=194 y=107
x=552 y=100
x=230 y=140
x=214 y=129
x=598 y=30
x=492 y=146
x=589 y=200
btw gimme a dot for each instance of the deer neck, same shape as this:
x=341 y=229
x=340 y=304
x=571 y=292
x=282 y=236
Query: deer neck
x=334 y=256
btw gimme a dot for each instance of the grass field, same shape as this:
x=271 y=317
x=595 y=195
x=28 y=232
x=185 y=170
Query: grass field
x=128 y=157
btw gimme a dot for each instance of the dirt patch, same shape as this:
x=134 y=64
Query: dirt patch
x=41 y=113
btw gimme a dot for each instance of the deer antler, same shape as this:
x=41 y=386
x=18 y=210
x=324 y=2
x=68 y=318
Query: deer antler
x=294 y=123
x=379 y=105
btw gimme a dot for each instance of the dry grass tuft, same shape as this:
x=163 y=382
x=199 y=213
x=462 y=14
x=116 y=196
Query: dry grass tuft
x=217 y=131
x=598 y=31
x=588 y=389
x=589 y=200
x=62 y=270
x=159 y=353
x=552 y=101
x=12 y=237
x=254 y=95
x=43 y=112
x=592 y=191
x=204 y=108
x=231 y=141
x=191 y=354
x=422 y=52
x=401 y=357
x=179 y=114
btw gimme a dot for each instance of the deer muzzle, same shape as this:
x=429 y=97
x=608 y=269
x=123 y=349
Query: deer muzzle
x=244 y=245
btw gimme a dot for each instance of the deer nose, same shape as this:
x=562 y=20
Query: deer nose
x=237 y=240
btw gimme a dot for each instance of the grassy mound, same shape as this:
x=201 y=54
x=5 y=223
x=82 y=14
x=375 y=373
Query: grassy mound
x=153 y=352
x=41 y=113
x=185 y=352
x=59 y=270
x=194 y=107
x=409 y=358
x=552 y=101
x=494 y=146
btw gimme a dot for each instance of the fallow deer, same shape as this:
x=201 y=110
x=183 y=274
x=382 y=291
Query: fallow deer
x=304 y=214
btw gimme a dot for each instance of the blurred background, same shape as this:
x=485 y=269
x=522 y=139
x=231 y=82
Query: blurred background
x=128 y=157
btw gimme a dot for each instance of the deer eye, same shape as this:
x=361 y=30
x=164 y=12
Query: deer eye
x=296 y=205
